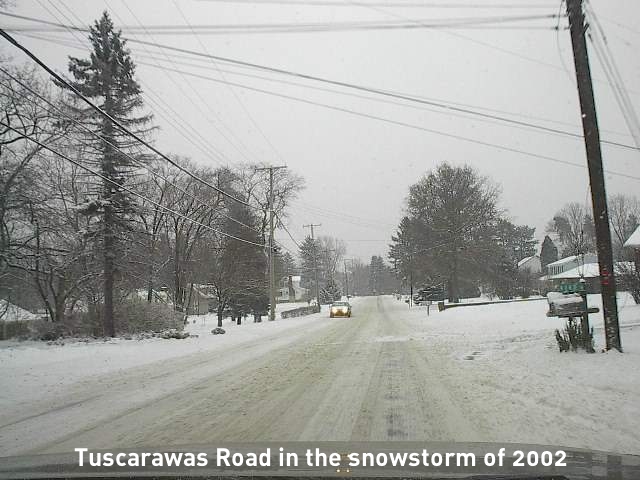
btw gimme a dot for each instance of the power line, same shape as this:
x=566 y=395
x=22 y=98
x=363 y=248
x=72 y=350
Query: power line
x=97 y=174
x=491 y=22
x=413 y=126
x=199 y=97
x=284 y=227
x=457 y=35
x=607 y=60
x=233 y=92
x=337 y=3
x=377 y=91
x=346 y=93
x=180 y=127
x=173 y=118
x=113 y=120
x=395 y=122
x=471 y=39
x=150 y=171
x=133 y=159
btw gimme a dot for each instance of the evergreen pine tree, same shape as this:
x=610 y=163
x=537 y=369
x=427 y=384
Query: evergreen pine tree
x=308 y=262
x=548 y=253
x=107 y=78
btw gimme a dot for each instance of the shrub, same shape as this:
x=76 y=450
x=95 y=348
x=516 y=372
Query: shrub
x=573 y=337
x=14 y=329
x=136 y=317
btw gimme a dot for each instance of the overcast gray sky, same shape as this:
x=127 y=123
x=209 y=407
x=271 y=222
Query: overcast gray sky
x=358 y=169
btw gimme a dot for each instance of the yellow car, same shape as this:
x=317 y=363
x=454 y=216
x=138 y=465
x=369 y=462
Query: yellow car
x=340 y=309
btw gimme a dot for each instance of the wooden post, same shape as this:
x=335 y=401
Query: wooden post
x=578 y=27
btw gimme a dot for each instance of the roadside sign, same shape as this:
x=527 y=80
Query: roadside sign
x=572 y=287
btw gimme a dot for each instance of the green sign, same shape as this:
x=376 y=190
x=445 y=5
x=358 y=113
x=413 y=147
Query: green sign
x=572 y=287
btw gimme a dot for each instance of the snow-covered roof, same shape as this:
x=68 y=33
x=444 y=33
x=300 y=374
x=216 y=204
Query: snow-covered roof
x=525 y=260
x=588 y=270
x=13 y=313
x=574 y=258
x=634 y=239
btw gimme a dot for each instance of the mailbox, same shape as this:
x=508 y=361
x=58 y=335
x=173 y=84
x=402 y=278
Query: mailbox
x=568 y=304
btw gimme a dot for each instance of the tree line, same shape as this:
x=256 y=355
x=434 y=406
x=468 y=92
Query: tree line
x=90 y=218
x=455 y=235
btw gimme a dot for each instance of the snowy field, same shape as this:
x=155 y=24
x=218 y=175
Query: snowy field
x=484 y=373
x=507 y=366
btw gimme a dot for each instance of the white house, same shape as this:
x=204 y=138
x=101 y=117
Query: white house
x=634 y=240
x=290 y=289
x=531 y=264
x=568 y=263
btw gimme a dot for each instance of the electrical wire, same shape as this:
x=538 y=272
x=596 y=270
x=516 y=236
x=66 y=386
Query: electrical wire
x=313 y=27
x=237 y=142
x=64 y=82
x=133 y=192
x=337 y=3
x=413 y=126
x=607 y=60
x=377 y=91
x=233 y=92
x=131 y=158
x=350 y=94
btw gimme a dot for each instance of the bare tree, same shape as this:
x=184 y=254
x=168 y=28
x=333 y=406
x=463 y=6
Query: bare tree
x=255 y=187
x=236 y=267
x=199 y=207
x=25 y=117
x=574 y=228
x=331 y=251
x=624 y=216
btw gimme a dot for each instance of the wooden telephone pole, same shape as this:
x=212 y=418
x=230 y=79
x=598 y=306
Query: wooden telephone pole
x=346 y=279
x=272 y=273
x=596 y=175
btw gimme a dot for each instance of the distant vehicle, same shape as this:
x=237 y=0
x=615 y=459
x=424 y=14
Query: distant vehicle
x=340 y=309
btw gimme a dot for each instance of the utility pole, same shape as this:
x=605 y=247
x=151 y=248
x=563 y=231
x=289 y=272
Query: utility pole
x=315 y=259
x=346 y=280
x=596 y=176
x=272 y=273
x=346 y=276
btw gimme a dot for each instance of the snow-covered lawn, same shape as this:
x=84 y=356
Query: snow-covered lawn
x=509 y=371
x=32 y=366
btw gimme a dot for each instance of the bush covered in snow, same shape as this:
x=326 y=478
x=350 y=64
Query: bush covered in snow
x=135 y=317
x=131 y=318
x=573 y=337
x=14 y=329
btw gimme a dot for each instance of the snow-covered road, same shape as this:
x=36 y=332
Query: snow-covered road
x=385 y=374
